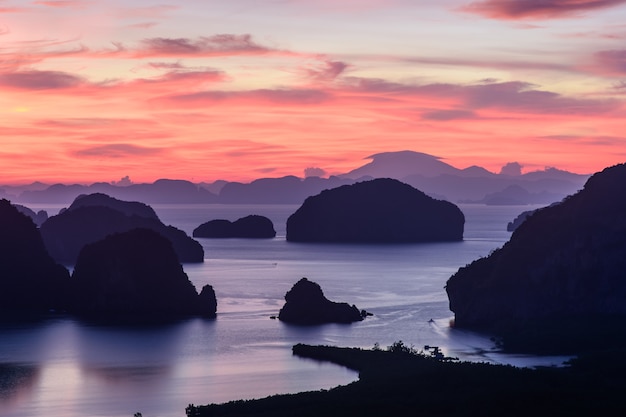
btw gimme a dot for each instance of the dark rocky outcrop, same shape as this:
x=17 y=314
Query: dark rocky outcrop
x=306 y=304
x=30 y=280
x=252 y=226
x=136 y=274
x=66 y=233
x=381 y=210
x=562 y=275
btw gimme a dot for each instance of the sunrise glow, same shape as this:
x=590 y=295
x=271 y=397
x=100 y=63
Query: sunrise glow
x=96 y=90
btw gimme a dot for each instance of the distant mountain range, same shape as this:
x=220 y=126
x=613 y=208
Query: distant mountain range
x=424 y=172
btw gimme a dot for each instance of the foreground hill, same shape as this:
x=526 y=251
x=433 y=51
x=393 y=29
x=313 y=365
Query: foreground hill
x=30 y=280
x=559 y=283
x=381 y=210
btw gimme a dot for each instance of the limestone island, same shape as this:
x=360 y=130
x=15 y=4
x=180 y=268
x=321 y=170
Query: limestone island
x=558 y=284
x=252 y=227
x=378 y=211
x=306 y=305
x=136 y=274
x=91 y=218
x=30 y=280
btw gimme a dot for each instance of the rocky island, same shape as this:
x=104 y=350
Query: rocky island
x=93 y=217
x=558 y=283
x=30 y=280
x=377 y=211
x=253 y=226
x=136 y=274
x=306 y=305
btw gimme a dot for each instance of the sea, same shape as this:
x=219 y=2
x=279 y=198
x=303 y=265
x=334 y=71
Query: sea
x=62 y=366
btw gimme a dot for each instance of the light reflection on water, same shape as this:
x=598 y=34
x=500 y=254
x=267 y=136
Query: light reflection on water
x=88 y=369
x=72 y=368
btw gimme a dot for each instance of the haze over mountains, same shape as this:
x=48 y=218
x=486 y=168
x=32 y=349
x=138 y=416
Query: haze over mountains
x=424 y=172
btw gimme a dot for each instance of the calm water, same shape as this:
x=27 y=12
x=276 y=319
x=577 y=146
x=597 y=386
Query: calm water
x=65 y=367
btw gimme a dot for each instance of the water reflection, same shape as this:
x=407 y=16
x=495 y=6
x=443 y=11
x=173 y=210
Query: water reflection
x=17 y=383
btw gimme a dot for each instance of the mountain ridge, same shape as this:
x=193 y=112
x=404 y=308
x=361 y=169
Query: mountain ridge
x=426 y=172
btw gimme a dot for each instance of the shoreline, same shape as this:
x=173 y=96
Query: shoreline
x=402 y=382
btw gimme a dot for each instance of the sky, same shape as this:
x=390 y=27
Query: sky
x=95 y=90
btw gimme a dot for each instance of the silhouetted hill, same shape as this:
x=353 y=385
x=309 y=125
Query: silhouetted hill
x=285 y=190
x=541 y=190
x=161 y=191
x=424 y=172
x=38 y=218
x=514 y=195
x=30 y=280
x=381 y=210
x=402 y=164
x=66 y=233
x=136 y=274
x=253 y=226
x=129 y=208
x=306 y=305
x=438 y=179
x=558 y=283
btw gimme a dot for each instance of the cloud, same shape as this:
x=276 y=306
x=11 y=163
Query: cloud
x=123 y=182
x=512 y=169
x=285 y=96
x=612 y=62
x=536 y=9
x=326 y=70
x=447 y=115
x=148 y=12
x=11 y=10
x=39 y=80
x=116 y=150
x=314 y=172
x=61 y=3
x=525 y=97
x=166 y=65
x=143 y=25
x=216 y=45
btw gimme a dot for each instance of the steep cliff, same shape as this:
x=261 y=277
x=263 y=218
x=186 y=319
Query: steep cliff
x=563 y=268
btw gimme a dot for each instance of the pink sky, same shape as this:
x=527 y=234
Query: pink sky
x=94 y=90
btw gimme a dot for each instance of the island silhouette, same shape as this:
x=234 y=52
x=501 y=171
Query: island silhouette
x=382 y=211
x=305 y=304
x=251 y=227
x=93 y=217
